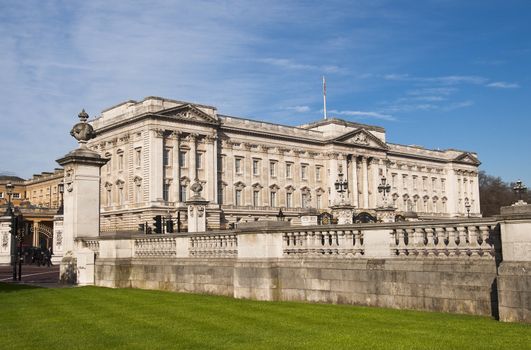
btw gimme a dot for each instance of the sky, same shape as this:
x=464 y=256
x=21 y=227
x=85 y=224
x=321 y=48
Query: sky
x=440 y=74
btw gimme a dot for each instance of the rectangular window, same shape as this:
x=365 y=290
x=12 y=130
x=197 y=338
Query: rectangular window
x=199 y=160
x=238 y=198
x=120 y=196
x=182 y=159
x=304 y=200
x=1 y=194
x=138 y=156
x=138 y=194
x=256 y=167
x=393 y=180
x=415 y=182
x=166 y=154
x=424 y=183
x=304 y=171
x=288 y=170
x=16 y=195
x=433 y=183
x=289 y=200
x=443 y=185
x=273 y=199
x=317 y=173
x=273 y=168
x=256 y=198
x=120 y=161
x=166 y=192
x=238 y=165
x=319 y=201
x=404 y=180
x=183 y=193
x=109 y=197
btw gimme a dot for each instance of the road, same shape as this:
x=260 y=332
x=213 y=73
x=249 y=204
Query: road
x=32 y=274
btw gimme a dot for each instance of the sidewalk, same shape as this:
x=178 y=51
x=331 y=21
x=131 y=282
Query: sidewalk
x=47 y=277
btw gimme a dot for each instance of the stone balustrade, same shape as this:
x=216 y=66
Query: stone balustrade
x=214 y=246
x=92 y=244
x=155 y=246
x=346 y=243
x=450 y=240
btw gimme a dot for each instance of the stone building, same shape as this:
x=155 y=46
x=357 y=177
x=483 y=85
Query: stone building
x=249 y=169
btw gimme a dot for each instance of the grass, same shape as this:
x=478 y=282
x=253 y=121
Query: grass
x=100 y=318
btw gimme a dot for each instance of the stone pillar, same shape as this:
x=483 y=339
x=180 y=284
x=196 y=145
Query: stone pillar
x=211 y=168
x=192 y=168
x=373 y=199
x=6 y=241
x=344 y=214
x=81 y=202
x=354 y=182
x=156 y=167
x=176 y=169
x=514 y=272
x=365 y=182
x=58 y=235
x=333 y=166
x=35 y=241
x=197 y=206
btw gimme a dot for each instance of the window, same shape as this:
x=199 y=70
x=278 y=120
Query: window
x=256 y=167
x=273 y=199
x=166 y=192
x=238 y=165
x=273 y=168
x=166 y=154
x=199 y=160
x=109 y=196
x=138 y=156
x=238 y=197
x=433 y=183
x=138 y=194
x=182 y=159
x=317 y=173
x=404 y=180
x=424 y=184
x=120 y=196
x=288 y=170
x=415 y=182
x=183 y=193
x=319 y=201
x=16 y=195
x=393 y=180
x=289 y=200
x=304 y=200
x=1 y=194
x=304 y=171
x=256 y=198
x=121 y=161
x=443 y=185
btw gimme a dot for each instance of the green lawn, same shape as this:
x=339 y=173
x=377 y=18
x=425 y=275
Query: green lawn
x=100 y=318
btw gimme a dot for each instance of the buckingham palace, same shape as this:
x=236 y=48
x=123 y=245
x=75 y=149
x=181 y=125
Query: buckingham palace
x=249 y=170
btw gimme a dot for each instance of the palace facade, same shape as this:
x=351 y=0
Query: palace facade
x=250 y=169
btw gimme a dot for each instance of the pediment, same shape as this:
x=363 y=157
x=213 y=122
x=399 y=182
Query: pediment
x=190 y=112
x=361 y=137
x=467 y=158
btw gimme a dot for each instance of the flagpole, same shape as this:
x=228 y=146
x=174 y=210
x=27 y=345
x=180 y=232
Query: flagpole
x=324 y=97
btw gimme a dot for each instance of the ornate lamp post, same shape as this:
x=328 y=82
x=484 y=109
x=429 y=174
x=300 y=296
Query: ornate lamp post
x=467 y=206
x=61 y=187
x=9 y=191
x=519 y=190
x=384 y=188
x=341 y=185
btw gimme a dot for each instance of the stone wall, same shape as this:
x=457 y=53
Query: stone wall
x=464 y=286
x=514 y=291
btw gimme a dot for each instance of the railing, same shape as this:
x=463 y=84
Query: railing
x=329 y=243
x=214 y=246
x=92 y=244
x=448 y=241
x=155 y=247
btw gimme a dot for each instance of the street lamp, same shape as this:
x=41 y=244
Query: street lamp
x=341 y=185
x=467 y=206
x=61 y=187
x=280 y=215
x=519 y=190
x=9 y=191
x=384 y=188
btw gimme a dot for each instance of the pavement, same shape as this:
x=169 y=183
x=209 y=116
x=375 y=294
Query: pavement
x=41 y=276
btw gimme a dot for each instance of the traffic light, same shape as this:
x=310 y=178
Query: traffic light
x=157 y=224
x=169 y=226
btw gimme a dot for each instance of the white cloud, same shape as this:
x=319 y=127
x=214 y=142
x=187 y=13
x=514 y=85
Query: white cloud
x=291 y=64
x=503 y=85
x=299 y=109
x=363 y=114
x=444 y=80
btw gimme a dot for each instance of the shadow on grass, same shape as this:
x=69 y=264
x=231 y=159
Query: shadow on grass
x=15 y=287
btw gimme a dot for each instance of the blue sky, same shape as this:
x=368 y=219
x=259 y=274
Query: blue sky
x=441 y=74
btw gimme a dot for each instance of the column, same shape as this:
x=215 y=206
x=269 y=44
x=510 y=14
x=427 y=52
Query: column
x=365 y=182
x=35 y=233
x=192 y=168
x=156 y=168
x=215 y=174
x=354 y=181
x=333 y=166
x=374 y=183
x=176 y=166
x=211 y=169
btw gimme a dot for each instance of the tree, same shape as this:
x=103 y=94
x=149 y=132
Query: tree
x=494 y=193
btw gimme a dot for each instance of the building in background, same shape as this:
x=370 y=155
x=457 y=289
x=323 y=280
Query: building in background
x=250 y=169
